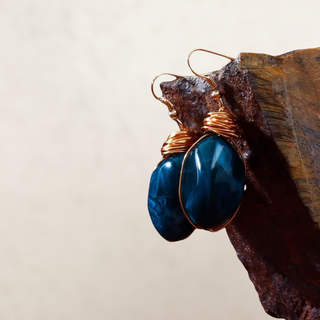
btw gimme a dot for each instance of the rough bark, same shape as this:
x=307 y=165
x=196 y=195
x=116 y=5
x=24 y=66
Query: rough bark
x=276 y=102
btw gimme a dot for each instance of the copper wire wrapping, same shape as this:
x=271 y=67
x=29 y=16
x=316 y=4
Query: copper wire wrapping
x=221 y=123
x=179 y=141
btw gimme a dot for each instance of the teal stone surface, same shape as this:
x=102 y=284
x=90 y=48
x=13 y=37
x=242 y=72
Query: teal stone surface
x=163 y=200
x=212 y=182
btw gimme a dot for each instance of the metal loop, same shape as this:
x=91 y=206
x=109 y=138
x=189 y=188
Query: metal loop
x=172 y=112
x=208 y=78
x=162 y=99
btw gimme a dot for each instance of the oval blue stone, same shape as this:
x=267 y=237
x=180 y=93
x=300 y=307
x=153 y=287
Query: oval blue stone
x=212 y=182
x=163 y=200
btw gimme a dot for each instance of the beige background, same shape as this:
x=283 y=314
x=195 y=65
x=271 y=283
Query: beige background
x=80 y=134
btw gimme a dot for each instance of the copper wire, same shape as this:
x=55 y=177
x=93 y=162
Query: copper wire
x=221 y=123
x=179 y=141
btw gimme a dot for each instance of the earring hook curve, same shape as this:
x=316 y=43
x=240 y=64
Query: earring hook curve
x=153 y=81
x=209 y=79
x=172 y=112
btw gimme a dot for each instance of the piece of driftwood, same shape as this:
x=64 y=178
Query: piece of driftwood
x=276 y=101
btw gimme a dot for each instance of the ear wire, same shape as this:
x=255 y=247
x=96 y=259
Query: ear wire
x=221 y=122
x=179 y=141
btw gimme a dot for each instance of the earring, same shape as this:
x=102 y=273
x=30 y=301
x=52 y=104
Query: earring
x=213 y=170
x=163 y=199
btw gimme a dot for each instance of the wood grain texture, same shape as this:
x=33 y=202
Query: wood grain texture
x=275 y=101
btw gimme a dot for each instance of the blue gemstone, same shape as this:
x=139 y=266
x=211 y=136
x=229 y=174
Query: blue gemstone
x=163 y=200
x=212 y=182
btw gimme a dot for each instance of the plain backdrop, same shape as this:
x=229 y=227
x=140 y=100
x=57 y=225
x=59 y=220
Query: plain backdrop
x=80 y=134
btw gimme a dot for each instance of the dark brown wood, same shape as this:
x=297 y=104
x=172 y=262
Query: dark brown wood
x=276 y=101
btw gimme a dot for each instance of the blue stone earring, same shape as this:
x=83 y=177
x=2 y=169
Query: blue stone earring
x=163 y=199
x=213 y=170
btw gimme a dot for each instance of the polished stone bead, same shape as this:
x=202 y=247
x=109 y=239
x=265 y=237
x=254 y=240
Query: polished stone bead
x=212 y=182
x=163 y=200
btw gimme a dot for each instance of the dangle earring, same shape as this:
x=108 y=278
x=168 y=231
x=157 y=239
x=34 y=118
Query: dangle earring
x=163 y=199
x=213 y=170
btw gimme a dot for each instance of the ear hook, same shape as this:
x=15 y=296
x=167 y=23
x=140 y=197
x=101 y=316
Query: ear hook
x=172 y=112
x=162 y=99
x=208 y=78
